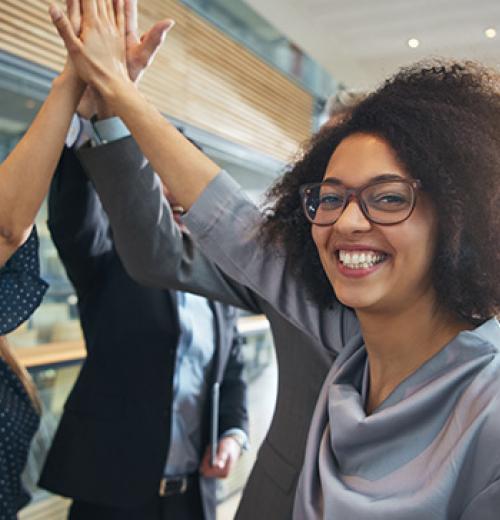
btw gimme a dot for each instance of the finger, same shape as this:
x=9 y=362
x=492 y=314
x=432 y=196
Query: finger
x=205 y=464
x=222 y=457
x=74 y=14
x=152 y=40
x=64 y=28
x=102 y=10
x=89 y=10
x=226 y=469
x=131 y=17
x=220 y=469
x=120 y=13
x=111 y=11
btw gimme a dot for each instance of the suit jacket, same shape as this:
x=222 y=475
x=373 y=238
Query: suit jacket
x=146 y=236
x=112 y=442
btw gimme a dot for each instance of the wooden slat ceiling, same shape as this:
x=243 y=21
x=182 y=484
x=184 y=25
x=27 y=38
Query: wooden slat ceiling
x=200 y=76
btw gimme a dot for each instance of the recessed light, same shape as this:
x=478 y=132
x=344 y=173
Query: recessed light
x=490 y=32
x=413 y=43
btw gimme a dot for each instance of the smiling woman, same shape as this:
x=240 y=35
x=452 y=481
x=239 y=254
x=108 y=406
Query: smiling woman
x=404 y=201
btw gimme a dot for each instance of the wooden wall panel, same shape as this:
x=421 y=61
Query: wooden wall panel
x=200 y=76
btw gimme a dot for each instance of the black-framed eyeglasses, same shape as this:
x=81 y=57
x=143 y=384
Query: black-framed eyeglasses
x=385 y=202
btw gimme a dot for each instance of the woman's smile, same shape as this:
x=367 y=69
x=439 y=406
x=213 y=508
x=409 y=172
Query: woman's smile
x=359 y=261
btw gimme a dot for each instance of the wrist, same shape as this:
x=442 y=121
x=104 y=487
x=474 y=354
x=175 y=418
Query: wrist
x=113 y=92
x=104 y=111
x=68 y=79
x=68 y=83
x=240 y=439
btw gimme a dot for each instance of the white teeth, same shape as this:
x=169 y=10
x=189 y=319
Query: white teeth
x=360 y=260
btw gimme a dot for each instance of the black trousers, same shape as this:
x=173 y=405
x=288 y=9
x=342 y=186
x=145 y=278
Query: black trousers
x=183 y=506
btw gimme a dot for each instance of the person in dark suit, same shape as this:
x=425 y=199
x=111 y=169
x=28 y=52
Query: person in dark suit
x=146 y=383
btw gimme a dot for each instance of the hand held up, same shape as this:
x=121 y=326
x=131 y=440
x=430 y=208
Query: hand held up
x=99 y=53
x=140 y=54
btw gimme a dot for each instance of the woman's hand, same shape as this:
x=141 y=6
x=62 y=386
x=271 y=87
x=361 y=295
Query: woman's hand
x=99 y=52
x=141 y=52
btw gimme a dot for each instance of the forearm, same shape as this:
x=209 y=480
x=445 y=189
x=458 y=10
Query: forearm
x=184 y=169
x=25 y=175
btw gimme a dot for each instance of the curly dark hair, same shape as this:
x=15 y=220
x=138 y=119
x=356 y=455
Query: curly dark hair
x=443 y=121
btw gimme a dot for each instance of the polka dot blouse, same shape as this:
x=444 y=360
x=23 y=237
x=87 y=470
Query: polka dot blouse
x=18 y=423
x=21 y=291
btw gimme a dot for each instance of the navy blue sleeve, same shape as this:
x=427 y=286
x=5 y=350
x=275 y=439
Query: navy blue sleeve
x=21 y=288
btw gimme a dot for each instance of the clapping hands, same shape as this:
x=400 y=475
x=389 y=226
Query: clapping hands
x=103 y=44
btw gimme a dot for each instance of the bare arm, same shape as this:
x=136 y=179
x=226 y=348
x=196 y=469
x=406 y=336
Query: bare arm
x=26 y=173
x=180 y=165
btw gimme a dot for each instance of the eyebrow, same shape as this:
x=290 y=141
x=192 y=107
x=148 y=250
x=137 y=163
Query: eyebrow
x=381 y=177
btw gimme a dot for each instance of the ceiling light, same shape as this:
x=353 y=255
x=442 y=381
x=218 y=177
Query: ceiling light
x=413 y=43
x=490 y=32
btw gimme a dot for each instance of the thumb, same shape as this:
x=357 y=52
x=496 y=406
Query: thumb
x=64 y=28
x=152 y=40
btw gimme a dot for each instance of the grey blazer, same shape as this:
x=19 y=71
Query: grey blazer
x=156 y=253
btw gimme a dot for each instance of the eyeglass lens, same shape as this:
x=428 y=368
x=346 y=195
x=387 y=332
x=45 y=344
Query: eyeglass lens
x=383 y=203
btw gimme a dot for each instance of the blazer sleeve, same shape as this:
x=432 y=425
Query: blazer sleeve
x=77 y=223
x=154 y=251
x=225 y=225
x=233 y=410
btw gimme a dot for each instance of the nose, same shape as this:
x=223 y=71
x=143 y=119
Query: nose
x=352 y=219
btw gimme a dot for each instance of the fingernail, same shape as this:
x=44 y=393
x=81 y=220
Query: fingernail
x=55 y=12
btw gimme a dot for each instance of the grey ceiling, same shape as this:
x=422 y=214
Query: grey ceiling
x=362 y=41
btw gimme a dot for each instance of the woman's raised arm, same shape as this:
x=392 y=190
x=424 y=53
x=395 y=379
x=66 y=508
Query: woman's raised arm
x=26 y=173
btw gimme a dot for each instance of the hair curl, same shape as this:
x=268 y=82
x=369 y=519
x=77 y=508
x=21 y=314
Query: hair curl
x=443 y=121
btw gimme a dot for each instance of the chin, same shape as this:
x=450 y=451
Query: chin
x=356 y=298
x=355 y=303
